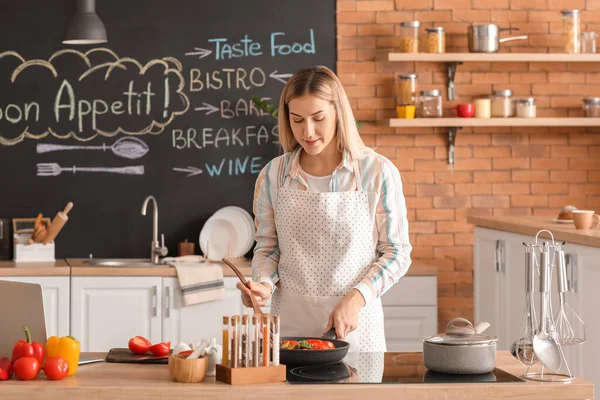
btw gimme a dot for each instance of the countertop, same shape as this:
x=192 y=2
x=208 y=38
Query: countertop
x=530 y=225
x=76 y=267
x=138 y=381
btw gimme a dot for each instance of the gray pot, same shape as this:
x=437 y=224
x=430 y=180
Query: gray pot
x=461 y=350
x=486 y=38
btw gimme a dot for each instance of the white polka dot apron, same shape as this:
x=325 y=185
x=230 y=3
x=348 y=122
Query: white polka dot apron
x=326 y=248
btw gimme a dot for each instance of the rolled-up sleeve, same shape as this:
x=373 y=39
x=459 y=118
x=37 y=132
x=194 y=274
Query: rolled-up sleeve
x=266 y=252
x=393 y=241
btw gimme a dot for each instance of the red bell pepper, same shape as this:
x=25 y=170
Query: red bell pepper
x=27 y=348
x=6 y=369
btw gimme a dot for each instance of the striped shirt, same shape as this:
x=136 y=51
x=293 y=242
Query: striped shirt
x=387 y=206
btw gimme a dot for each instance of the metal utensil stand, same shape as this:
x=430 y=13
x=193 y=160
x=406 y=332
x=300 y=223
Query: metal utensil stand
x=551 y=256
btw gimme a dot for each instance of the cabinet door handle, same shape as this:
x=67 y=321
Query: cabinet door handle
x=167 y=302
x=154 y=300
x=499 y=258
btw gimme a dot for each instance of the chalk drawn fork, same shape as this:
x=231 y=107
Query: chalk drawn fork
x=52 y=169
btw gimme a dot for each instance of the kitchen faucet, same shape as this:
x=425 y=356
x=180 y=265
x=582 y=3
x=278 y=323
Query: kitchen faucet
x=156 y=250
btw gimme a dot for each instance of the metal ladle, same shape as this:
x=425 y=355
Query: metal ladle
x=522 y=348
x=546 y=348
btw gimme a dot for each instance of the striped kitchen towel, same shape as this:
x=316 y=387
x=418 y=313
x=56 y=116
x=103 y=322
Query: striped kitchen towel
x=199 y=282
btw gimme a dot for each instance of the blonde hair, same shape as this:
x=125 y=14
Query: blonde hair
x=323 y=83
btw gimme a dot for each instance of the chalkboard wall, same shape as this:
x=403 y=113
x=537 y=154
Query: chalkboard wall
x=162 y=109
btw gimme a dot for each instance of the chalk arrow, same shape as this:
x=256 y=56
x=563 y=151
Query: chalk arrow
x=191 y=171
x=200 y=52
x=280 y=77
x=209 y=108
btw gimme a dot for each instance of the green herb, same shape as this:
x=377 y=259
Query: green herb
x=303 y=344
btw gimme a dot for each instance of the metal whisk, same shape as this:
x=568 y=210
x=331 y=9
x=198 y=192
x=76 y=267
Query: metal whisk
x=564 y=330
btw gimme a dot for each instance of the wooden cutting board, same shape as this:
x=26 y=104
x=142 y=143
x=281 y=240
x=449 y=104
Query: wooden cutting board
x=126 y=356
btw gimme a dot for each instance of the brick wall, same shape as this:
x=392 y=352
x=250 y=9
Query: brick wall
x=529 y=171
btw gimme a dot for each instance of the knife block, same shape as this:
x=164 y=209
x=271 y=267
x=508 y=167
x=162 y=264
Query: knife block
x=36 y=252
x=250 y=375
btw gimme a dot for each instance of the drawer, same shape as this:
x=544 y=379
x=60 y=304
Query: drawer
x=412 y=291
x=406 y=327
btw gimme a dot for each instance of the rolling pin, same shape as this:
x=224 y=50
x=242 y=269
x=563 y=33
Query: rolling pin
x=57 y=223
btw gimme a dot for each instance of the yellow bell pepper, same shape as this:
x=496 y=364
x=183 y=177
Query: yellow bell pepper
x=66 y=347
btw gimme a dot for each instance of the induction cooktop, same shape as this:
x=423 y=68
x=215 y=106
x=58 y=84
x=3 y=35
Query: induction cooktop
x=390 y=368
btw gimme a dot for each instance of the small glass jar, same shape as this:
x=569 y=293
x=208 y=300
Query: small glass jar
x=435 y=40
x=429 y=104
x=591 y=107
x=571 y=25
x=406 y=89
x=588 y=42
x=483 y=108
x=502 y=104
x=409 y=37
x=526 y=108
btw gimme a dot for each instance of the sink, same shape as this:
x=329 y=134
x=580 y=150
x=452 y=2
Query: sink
x=121 y=262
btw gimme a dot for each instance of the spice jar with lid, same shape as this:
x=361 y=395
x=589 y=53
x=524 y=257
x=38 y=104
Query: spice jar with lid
x=571 y=25
x=409 y=37
x=502 y=104
x=429 y=104
x=591 y=107
x=406 y=89
x=526 y=108
x=435 y=40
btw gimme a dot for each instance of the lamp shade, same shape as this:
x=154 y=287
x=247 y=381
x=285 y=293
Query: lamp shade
x=86 y=27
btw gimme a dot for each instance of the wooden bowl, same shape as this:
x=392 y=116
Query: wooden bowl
x=187 y=371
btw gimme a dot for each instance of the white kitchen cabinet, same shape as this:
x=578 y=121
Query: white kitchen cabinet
x=107 y=311
x=500 y=293
x=410 y=312
x=190 y=324
x=56 y=296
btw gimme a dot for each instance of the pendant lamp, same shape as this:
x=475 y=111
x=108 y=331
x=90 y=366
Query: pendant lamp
x=86 y=27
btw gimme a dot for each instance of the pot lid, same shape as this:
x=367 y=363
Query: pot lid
x=464 y=334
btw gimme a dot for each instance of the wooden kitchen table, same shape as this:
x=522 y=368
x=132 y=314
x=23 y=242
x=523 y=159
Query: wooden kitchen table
x=137 y=381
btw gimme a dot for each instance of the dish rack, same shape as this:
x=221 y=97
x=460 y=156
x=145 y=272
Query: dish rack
x=542 y=337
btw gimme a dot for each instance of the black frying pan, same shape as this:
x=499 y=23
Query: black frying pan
x=314 y=357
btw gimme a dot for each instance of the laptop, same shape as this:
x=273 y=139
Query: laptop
x=22 y=304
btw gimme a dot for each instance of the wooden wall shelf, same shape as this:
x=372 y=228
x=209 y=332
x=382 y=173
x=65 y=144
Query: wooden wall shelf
x=493 y=57
x=454 y=124
x=508 y=122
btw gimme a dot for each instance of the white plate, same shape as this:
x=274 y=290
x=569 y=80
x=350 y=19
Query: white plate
x=563 y=221
x=233 y=217
x=244 y=218
x=218 y=238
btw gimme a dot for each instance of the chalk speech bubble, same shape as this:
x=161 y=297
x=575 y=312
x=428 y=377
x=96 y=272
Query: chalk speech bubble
x=145 y=98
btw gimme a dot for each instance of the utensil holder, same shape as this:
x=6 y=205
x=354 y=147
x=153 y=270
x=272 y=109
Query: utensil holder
x=36 y=252
x=250 y=375
x=554 y=253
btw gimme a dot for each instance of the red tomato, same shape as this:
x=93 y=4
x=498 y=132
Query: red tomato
x=161 y=349
x=6 y=369
x=56 y=368
x=328 y=344
x=318 y=346
x=26 y=368
x=139 y=345
x=314 y=341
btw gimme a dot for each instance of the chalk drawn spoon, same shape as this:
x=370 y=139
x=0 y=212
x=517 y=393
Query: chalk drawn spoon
x=128 y=147
x=52 y=169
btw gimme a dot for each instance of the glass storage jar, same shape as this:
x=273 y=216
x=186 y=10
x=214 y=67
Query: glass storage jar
x=502 y=104
x=588 y=42
x=591 y=107
x=409 y=37
x=571 y=25
x=526 y=108
x=435 y=40
x=429 y=104
x=406 y=89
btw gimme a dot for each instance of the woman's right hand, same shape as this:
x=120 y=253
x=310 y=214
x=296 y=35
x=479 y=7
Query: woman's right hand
x=260 y=291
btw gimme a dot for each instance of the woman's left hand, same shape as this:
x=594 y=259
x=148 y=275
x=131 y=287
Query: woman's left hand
x=345 y=315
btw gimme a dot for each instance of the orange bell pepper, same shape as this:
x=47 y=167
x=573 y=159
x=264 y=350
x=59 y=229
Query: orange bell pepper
x=67 y=347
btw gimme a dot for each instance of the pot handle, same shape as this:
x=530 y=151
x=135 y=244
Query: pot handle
x=452 y=329
x=511 y=38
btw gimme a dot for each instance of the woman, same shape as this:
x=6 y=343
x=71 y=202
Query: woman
x=332 y=233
